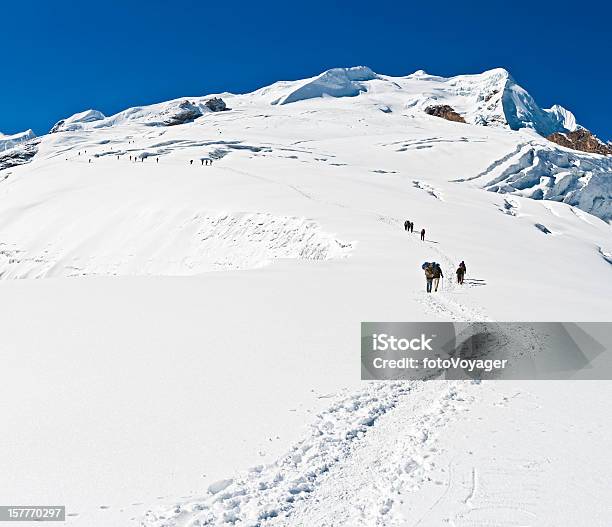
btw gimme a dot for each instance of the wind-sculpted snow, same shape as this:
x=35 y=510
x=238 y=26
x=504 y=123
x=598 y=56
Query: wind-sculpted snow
x=159 y=243
x=76 y=121
x=539 y=172
x=337 y=82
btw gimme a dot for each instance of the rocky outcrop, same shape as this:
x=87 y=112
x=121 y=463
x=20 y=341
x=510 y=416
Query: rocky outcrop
x=445 y=111
x=216 y=105
x=581 y=139
x=58 y=127
x=19 y=154
x=185 y=112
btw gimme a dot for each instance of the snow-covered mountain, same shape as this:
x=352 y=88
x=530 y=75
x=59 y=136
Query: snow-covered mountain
x=168 y=323
x=491 y=99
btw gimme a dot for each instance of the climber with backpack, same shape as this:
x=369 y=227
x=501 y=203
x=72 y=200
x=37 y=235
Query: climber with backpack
x=429 y=268
x=437 y=274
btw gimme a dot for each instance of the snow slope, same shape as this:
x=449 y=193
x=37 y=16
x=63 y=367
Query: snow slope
x=183 y=339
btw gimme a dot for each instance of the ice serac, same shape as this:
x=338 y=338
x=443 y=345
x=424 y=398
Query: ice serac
x=336 y=82
x=493 y=98
x=563 y=118
x=9 y=141
x=522 y=111
x=546 y=173
x=76 y=121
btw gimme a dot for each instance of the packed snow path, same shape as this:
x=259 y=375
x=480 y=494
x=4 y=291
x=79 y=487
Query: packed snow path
x=420 y=454
x=268 y=495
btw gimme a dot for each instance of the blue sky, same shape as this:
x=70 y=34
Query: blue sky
x=62 y=57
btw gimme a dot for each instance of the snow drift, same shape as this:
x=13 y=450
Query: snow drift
x=163 y=243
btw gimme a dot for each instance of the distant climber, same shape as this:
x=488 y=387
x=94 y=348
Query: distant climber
x=460 y=274
x=461 y=270
x=157 y=160
x=406 y=225
x=90 y=160
x=411 y=226
x=422 y=235
x=191 y=161
x=437 y=274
